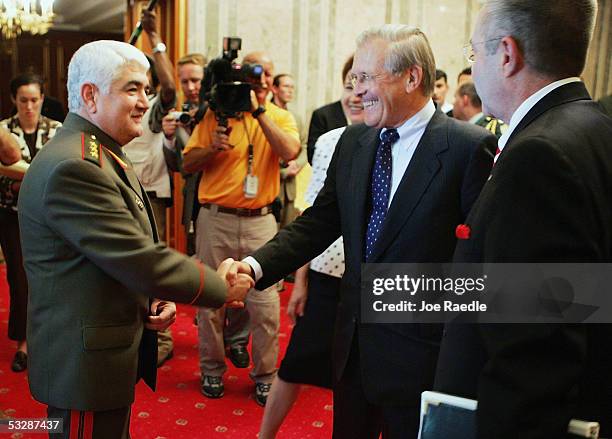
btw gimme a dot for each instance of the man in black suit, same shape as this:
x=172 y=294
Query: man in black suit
x=393 y=200
x=328 y=117
x=547 y=200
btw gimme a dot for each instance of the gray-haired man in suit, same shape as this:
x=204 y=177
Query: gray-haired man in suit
x=396 y=189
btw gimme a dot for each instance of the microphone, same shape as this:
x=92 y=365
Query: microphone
x=138 y=29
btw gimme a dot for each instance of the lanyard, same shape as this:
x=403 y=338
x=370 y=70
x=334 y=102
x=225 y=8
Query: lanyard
x=251 y=155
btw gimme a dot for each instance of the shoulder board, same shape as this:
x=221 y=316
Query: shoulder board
x=91 y=149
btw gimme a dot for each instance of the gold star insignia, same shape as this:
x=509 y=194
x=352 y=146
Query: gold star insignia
x=93 y=149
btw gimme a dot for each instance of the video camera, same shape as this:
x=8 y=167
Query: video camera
x=227 y=85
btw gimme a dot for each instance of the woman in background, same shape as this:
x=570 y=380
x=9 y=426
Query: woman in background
x=314 y=298
x=31 y=131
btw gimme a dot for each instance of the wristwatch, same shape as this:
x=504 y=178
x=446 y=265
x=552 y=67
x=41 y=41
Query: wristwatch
x=259 y=111
x=161 y=47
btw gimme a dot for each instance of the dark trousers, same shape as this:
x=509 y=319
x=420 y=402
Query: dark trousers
x=15 y=274
x=107 y=424
x=356 y=418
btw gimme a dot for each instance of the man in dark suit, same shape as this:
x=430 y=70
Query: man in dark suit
x=328 y=117
x=92 y=256
x=548 y=200
x=394 y=199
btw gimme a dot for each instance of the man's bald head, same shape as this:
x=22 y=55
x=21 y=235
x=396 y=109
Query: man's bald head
x=262 y=58
x=258 y=57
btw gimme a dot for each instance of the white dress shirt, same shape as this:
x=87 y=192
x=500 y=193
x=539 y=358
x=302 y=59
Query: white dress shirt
x=527 y=105
x=446 y=107
x=410 y=133
x=475 y=118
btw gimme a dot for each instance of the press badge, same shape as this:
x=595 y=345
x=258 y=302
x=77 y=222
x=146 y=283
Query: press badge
x=251 y=184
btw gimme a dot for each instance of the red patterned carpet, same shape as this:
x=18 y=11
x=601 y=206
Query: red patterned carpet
x=177 y=409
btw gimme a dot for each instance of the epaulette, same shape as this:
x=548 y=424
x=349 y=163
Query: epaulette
x=493 y=125
x=91 y=149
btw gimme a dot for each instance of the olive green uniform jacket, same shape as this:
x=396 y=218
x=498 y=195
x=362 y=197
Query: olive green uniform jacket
x=93 y=264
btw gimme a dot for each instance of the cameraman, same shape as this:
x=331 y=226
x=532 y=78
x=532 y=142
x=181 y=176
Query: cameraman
x=190 y=69
x=238 y=186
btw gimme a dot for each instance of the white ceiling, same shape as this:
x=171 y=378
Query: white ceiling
x=90 y=15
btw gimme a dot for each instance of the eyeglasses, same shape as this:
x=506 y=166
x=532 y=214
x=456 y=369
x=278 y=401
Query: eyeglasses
x=362 y=78
x=468 y=49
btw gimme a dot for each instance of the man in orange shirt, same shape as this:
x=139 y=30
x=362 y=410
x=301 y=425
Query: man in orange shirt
x=239 y=183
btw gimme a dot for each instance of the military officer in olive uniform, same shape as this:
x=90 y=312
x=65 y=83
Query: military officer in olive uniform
x=100 y=283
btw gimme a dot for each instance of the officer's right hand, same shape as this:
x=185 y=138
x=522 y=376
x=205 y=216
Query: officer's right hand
x=220 y=139
x=238 y=282
x=169 y=126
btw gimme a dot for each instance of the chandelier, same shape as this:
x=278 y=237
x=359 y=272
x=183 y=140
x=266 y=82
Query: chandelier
x=18 y=16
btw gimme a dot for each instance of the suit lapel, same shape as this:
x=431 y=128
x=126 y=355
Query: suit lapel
x=423 y=166
x=363 y=161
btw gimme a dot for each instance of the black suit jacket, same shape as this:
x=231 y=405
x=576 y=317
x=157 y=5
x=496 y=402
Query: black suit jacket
x=445 y=175
x=548 y=200
x=324 y=119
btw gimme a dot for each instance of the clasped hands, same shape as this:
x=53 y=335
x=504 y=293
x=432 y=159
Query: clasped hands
x=239 y=280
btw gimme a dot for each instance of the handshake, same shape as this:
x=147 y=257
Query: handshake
x=239 y=280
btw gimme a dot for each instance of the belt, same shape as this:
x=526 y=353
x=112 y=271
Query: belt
x=238 y=211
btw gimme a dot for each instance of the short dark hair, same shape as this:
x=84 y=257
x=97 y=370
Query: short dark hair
x=348 y=65
x=553 y=35
x=466 y=71
x=441 y=74
x=26 y=79
x=468 y=89
x=277 y=78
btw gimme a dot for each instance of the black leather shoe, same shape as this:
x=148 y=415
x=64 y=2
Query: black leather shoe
x=239 y=356
x=20 y=362
x=212 y=387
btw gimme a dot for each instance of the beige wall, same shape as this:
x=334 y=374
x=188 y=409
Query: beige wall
x=598 y=71
x=311 y=39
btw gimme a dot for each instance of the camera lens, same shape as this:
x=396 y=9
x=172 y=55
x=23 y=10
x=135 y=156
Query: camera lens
x=184 y=118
